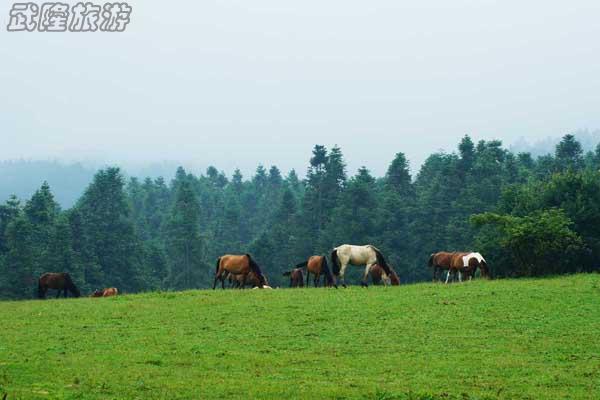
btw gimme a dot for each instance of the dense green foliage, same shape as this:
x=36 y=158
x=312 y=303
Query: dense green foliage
x=528 y=217
x=501 y=339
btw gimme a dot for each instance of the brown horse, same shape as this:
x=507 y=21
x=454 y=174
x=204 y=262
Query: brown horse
x=108 y=292
x=296 y=277
x=60 y=281
x=235 y=280
x=379 y=276
x=317 y=265
x=238 y=265
x=458 y=262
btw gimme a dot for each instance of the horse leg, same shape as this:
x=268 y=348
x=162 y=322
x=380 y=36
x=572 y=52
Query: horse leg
x=217 y=275
x=243 y=285
x=342 y=274
x=460 y=276
x=447 y=276
x=366 y=275
x=58 y=293
x=307 y=275
x=317 y=279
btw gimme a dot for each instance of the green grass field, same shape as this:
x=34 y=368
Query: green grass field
x=535 y=339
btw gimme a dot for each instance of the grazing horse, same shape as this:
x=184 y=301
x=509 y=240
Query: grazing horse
x=108 y=292
x=60 y=281
x=235 y=280
x=379 y=276
x=296 y=277
x=458 y=262
x=367 y=255
x=238 y=265
x=317 y=265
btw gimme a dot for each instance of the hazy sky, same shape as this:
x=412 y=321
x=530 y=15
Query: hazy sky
x=232 y=83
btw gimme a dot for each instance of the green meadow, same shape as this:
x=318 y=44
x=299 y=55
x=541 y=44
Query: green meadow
x=503 y=339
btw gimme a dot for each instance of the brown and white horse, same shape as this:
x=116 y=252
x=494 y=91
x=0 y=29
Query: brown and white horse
x=60 y=281
x=108 y=292
x=317 y=265
x=238 y=265
x=367 y=255
x=458 y=263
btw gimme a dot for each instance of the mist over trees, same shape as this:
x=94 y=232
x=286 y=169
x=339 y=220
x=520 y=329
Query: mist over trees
x=528 y=215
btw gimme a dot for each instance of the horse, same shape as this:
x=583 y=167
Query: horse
x=108 y=292
x=238 y=265
x=379 y=276
x=458 y=262
x=317 y=265
x=367 y=255
x=235 y=280
x=296 y=277
x=60 y=281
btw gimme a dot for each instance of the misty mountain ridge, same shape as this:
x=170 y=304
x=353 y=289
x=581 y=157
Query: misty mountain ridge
x=68 y=180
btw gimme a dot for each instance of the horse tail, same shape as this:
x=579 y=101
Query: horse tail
x=218 y=265
x=381 y=261
x=256 y=269
x=336 y=262
x=431 y=257
x=327 y=271
x=302 y=264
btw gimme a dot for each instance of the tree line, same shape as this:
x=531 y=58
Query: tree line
x=528 y=216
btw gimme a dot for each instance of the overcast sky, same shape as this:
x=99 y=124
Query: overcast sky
x=234 y=83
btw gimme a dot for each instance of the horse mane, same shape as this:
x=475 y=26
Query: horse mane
x=336 y=262
x=70 y=285
x=255 y=268
x=287 y=273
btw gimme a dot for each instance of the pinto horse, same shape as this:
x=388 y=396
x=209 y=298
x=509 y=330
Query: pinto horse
x=317 y=265
x=367 y=255
x=108 y=292
x=238 y=265
x=379 y=276
x=458 y=262
x=60 y=281
x=296 y=277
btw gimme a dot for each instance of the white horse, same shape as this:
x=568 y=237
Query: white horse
x=367 y=255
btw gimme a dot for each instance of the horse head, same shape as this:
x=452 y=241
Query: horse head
x=485 y=271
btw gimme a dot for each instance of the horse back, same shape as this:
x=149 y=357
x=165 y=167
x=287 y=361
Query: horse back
x=236 y=264
x=315 y=264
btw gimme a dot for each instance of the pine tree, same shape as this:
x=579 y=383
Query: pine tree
x=183 y=241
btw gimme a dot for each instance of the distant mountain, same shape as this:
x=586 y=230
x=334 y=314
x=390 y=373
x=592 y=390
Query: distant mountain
x=589 y=141
x=22 y=178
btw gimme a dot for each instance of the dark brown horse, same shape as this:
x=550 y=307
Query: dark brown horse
x=60 y=281
x=296 y=277
x=238 y=265
x=460 y=262
x=378 y=276
x=317 y=265
x=108 y=292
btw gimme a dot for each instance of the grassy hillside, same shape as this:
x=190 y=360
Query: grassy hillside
x=499 y=339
